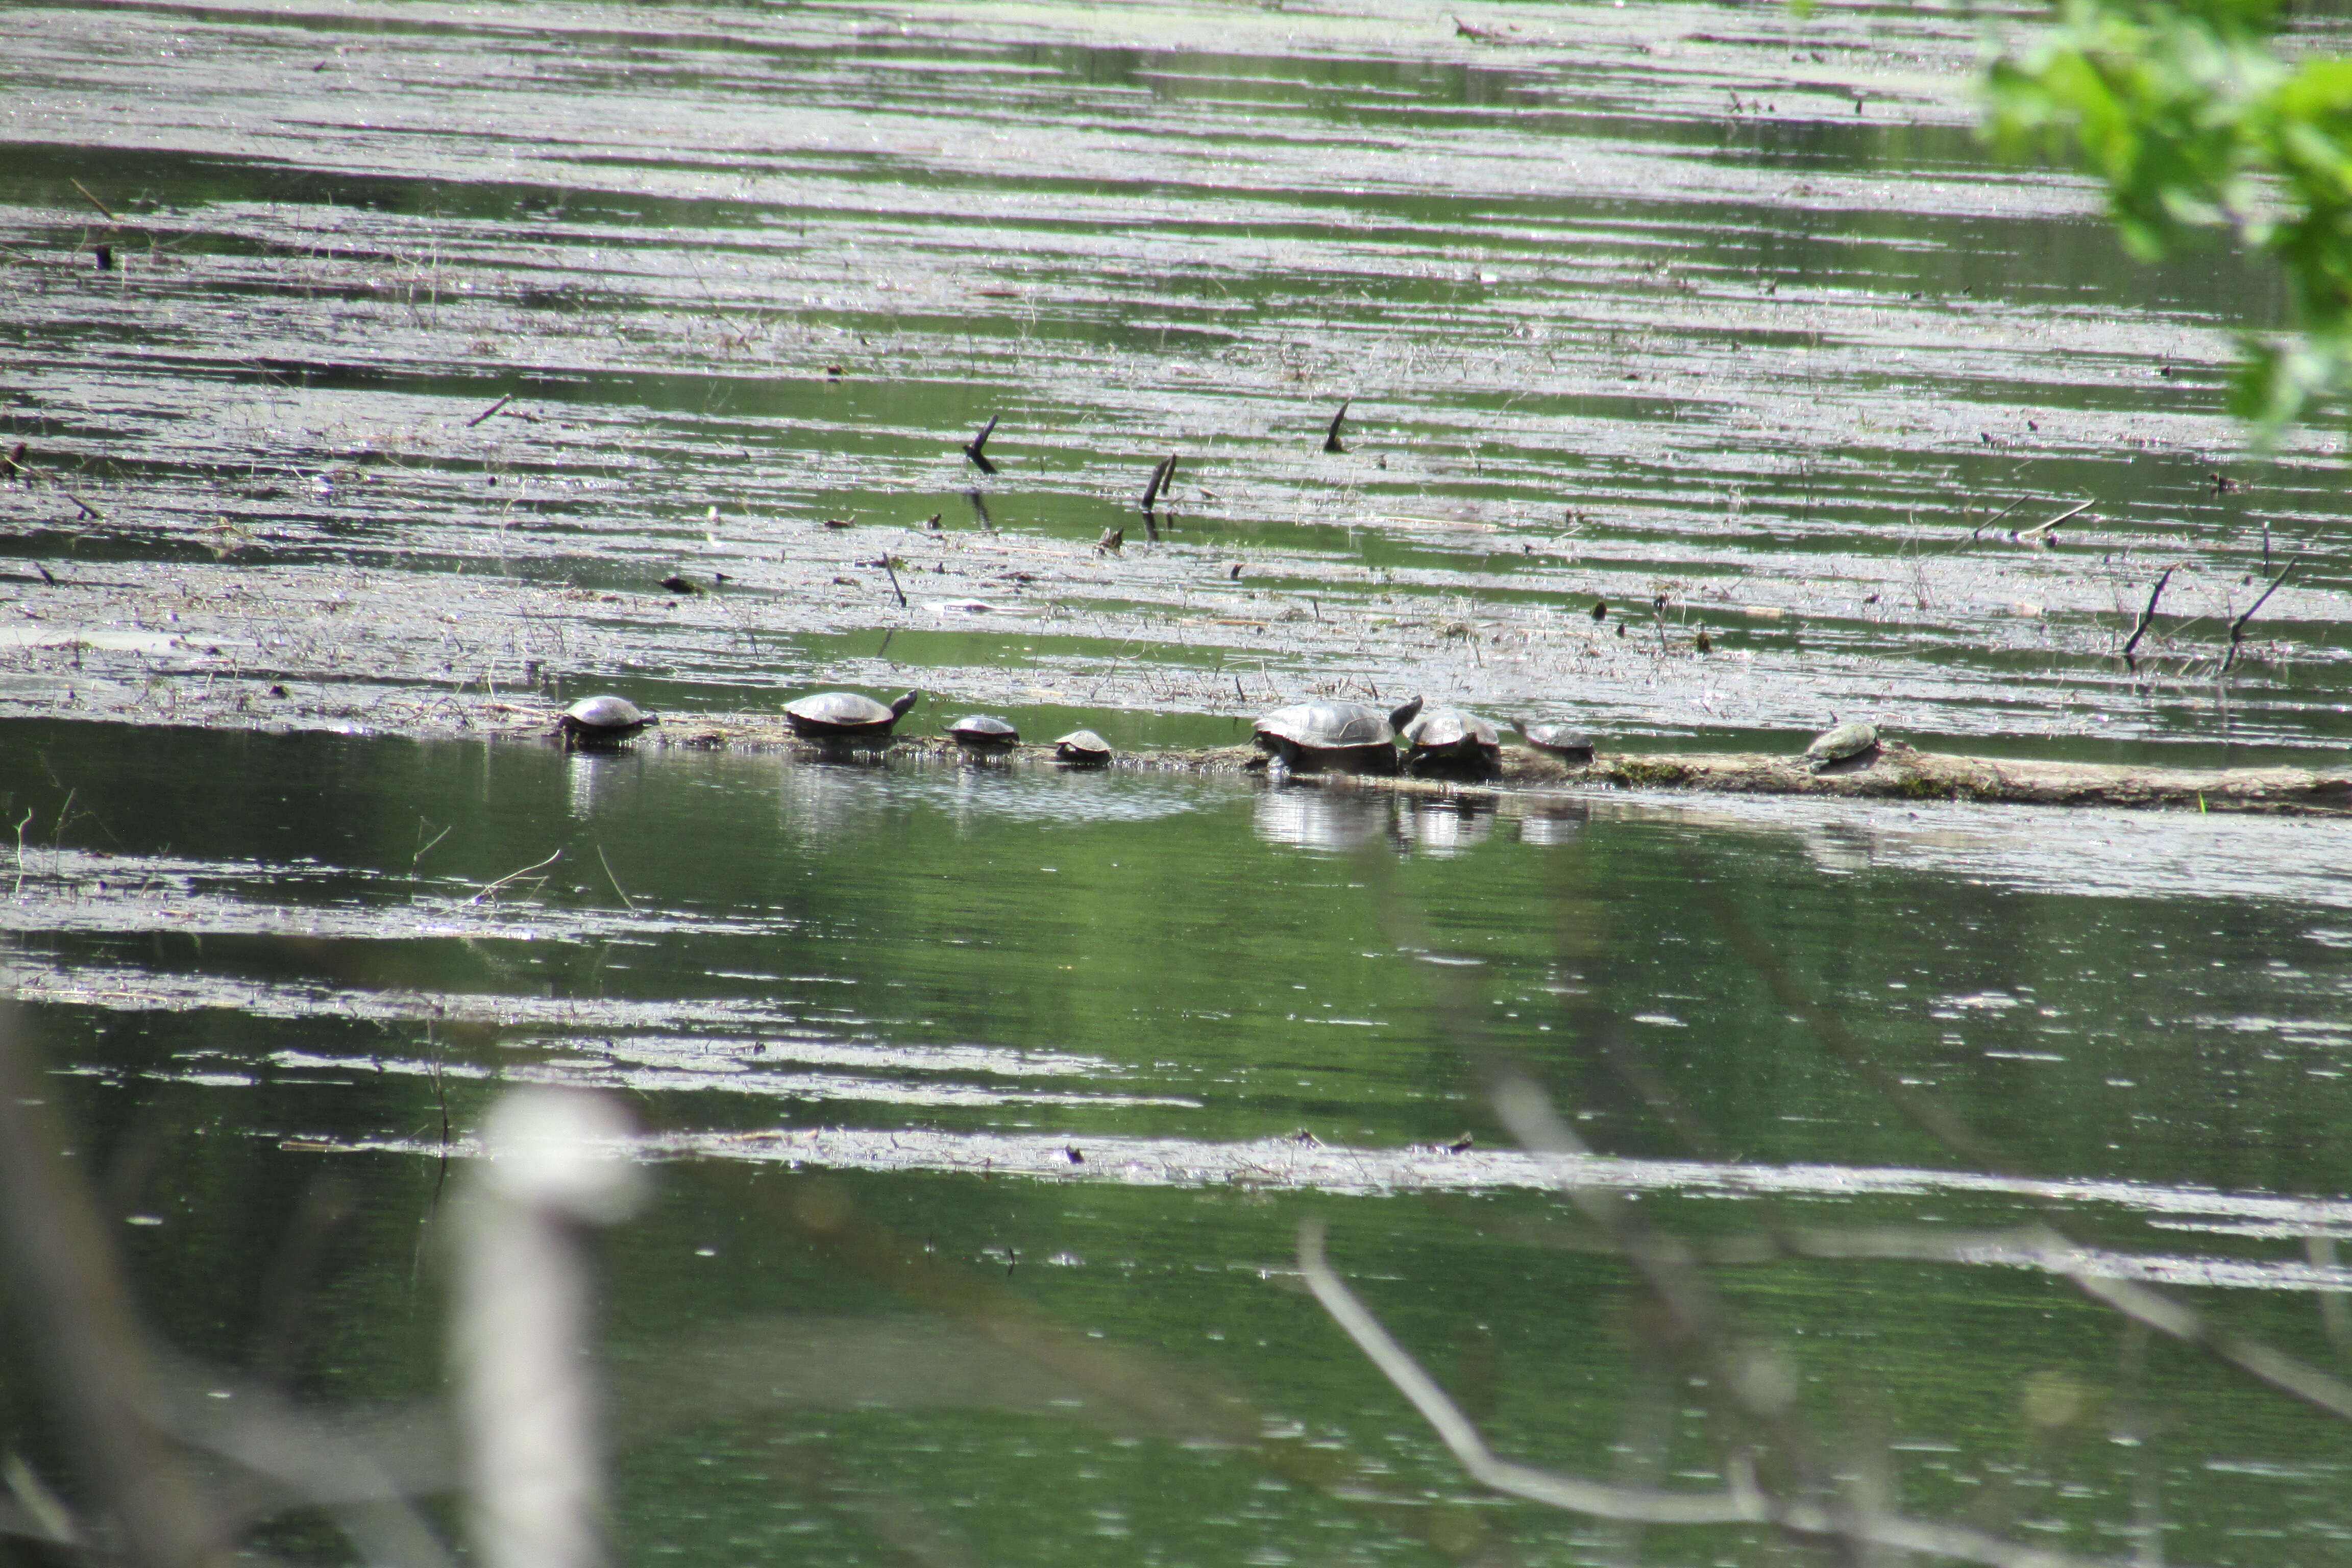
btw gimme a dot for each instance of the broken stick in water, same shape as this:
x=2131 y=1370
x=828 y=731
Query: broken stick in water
x=2149 y=614
x=2238 y=627
x=2039 y=528
x=493 y=408
x=974 y=448
x=1161 y=472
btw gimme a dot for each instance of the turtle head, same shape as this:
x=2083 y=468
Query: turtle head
x=651 y=717
x=898 y=708
x=1405 y=715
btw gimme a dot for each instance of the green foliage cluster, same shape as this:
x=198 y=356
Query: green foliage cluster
x=2201 y=127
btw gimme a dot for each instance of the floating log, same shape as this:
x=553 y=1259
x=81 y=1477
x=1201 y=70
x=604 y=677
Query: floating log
x=1896 y=771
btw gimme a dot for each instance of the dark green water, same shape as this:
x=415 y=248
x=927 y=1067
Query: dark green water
x=251 y=980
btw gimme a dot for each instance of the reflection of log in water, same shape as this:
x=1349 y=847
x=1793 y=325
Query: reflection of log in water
x=1897 y=771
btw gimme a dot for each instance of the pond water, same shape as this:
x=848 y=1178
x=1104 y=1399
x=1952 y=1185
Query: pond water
x=983 y=1105
x=1098 y=1043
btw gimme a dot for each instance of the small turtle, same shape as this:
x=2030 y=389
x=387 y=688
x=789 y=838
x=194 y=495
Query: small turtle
x=602 y=722
x=1082 y=749
x=983 y=732
x=1345 y=737
x=1842 y=744
x=844 y=716
x=1453 y=743
x=1566 y=742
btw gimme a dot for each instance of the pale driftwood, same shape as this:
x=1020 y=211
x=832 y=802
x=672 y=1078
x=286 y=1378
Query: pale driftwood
x=1897 y=771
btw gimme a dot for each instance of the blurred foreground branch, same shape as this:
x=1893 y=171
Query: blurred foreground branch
x=1741 y=1503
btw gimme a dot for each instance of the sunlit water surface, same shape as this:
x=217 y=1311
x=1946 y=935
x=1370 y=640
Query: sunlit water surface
x=1096 y=1044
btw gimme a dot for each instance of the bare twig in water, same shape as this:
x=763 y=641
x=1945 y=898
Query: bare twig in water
x=487 y=888
x=2238 y=627
x=1996 y=516
x=628 y=902
x=2039 y=528
x=2149 y=615
x=87 y=511
x=93 y=201
x=493 y=408
x=427 y=848
x=892 y=571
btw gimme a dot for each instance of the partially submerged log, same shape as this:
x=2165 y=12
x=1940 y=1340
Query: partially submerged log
x=1896 y=771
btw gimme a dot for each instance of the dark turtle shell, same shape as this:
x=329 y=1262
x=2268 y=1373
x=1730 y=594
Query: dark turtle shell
x=840 y=714
x=1447 y=729
x=1566 y=742
x=984 y=729
x=1838 y=745
x=1342 y=735
x=1452 y=740
x=601 y=721
x=1083 y=749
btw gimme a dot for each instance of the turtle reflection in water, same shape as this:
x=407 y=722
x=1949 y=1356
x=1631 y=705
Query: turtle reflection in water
x=1443 y=828
x=984 y=734
x=1846 y=744
x=1082 y=749
x=595 y=721
x=844 y=717
x=1452 y=742
x=1341 y=737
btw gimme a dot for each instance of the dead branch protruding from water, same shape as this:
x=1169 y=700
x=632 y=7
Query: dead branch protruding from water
x=2238 y=627
x=1331 y=442
x=2149 y=615
x=976 y=448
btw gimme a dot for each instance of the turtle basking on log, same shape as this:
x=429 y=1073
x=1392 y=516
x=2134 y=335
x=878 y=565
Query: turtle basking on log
x=845 y=716
x=1082 y=749
x=1845 y=743
x=595 y=721
x=983 y=733
x=1334 y=737
x=1566 y=742
x=1452 y=743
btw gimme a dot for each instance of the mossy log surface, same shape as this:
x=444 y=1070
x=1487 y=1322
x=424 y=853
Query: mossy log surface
x=1897 y=771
